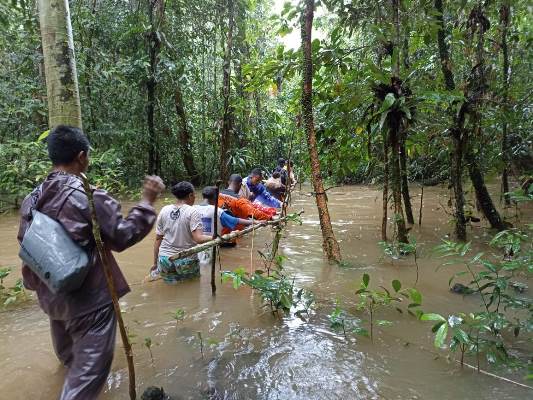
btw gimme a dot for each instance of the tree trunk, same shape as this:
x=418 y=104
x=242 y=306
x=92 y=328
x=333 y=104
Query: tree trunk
x=185 y=138
x=227 y=117
x=476 y=92
x=505 y=11
x=384 y=218
x=60 y=64
x=395 y=134
x=154 y=45
x=457 y=132
x=331 y=246
x=405 y=184
x=482 y=194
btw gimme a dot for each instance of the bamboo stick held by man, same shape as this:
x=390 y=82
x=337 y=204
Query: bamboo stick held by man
x=83 y=322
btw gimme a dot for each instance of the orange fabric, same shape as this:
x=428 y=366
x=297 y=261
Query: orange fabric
x=242 y=208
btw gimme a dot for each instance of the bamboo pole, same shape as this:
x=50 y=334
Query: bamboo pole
x=111 y=286
x=229 y=236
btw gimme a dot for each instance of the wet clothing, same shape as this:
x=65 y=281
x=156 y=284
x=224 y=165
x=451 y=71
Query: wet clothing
x=62 y=197
x=177 y=270
x=242 y=208
x=85 y=345
x=225 y=220
x=176 y=224
x=83 y=322
x=275 y=187
x=283 y=174
x=262 y=195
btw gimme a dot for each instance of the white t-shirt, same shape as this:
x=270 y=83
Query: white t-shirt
x=176 y=224
x=207 y=211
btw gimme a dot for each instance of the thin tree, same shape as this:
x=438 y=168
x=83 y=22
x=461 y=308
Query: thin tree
x=457 y=131
x=185 y=137
x=155 y=10
x=227 y=113
x=505 y=16
x=331 y=246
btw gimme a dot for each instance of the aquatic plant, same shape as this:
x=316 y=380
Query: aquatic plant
x=148 y=345
x=506 y=310
x=13 y=294
x=372 y=300
x=277 y=290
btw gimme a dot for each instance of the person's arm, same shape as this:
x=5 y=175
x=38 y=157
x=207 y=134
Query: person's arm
x=120 y=233
x=157 y=245
x=231 y=222
x=199 y=237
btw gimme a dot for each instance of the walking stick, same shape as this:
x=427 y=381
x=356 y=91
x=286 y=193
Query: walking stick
x=111 y=286
x=214 y=251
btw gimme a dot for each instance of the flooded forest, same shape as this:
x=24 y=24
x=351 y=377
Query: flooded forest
x=266 y=199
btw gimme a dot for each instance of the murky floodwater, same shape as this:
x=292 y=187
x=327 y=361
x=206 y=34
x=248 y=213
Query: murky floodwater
x=249 y=353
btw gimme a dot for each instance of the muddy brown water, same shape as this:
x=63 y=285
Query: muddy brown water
x=251 y=354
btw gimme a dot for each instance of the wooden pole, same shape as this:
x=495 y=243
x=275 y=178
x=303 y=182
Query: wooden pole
x=214 y=252
x=111 y=287
x=229 y=236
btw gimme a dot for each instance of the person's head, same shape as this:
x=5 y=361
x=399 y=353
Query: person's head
x=209 y=193
x=68 y=147
x=235 y=182
x=256 y=176
x=276 y=175
x=281 y=162
x=154 y=393
x=184 y=191
x=291 y=163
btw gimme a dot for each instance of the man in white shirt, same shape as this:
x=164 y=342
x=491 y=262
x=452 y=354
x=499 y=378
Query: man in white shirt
x=225 y=219
x=178 y=227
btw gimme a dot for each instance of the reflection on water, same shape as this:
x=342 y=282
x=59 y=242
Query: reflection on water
x=250 y=354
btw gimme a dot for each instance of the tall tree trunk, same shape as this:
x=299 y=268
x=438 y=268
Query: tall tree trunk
x=476 y=91
x=505 y=16
x=457 y=132
x=154 y=46
x=227 y=117
x=185 y=138
x=60 y=64
x=396 y=133
x=405 y=184
x=331 y=246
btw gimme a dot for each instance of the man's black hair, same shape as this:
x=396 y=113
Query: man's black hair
x=276 y=174
x=65 y=143
x=235 y=178
x=209 y=193
x=182 y=189
x=257 y=172
x=281 y=162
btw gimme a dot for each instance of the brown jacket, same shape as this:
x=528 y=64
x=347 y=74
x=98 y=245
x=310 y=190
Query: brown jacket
x=61 y=196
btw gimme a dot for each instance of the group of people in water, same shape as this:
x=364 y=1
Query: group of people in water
x=83 y=321
x=183 y=225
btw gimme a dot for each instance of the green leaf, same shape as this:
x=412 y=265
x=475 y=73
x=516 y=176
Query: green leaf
x=432 y=317
x=366 y=280
x=416 y=296
x=388 y=102
x=43 y=135
x=396 y=285
x=440 y=337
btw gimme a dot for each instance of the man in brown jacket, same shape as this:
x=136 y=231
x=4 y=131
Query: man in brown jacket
x=83 y=322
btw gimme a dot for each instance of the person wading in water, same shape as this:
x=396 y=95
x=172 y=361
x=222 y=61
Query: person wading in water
x=83 y=322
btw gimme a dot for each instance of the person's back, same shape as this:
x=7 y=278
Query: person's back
x=84 y=319
x=176 y=224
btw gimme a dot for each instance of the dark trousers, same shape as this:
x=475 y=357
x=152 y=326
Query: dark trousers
x=85 y=346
